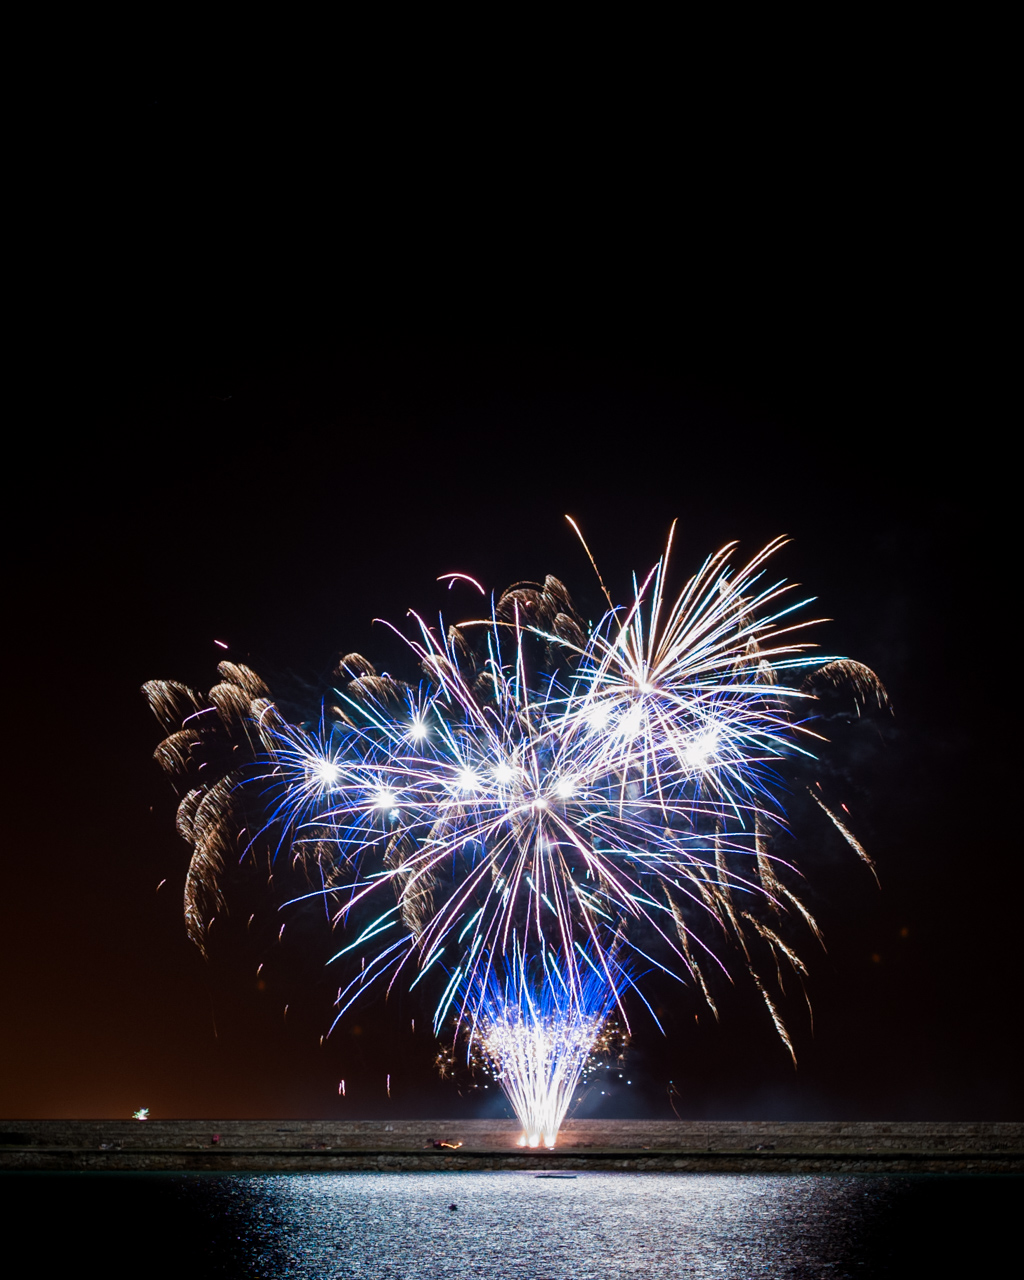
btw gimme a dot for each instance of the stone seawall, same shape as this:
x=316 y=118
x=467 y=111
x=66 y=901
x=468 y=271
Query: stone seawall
x=406 y=1145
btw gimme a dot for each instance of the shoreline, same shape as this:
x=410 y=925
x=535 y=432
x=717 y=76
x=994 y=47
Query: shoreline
x=296 y=1146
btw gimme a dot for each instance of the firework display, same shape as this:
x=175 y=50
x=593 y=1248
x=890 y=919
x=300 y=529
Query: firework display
x=555 y=810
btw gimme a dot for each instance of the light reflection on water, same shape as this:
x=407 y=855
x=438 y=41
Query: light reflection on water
x=598 y=1225
x=511 y=1225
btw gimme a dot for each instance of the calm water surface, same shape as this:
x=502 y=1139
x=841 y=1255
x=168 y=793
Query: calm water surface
x=596 y=1226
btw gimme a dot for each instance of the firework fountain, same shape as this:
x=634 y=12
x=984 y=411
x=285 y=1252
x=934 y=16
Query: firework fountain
x=556 y=808
x=537 y=1036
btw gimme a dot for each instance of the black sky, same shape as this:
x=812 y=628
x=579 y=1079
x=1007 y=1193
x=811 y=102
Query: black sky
x=270 y=400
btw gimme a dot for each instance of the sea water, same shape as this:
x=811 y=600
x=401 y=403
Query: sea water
x=500 y=1225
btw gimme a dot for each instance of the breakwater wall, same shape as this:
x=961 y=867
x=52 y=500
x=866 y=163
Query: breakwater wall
x=291 y=1146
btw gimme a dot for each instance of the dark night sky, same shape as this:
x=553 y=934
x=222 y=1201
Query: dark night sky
x=268 y=421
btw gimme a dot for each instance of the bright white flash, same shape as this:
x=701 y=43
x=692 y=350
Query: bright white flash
x=417 y=730
x=701 y=749
x=504 y=772
x=598 y=717
x=326 y=771
x=468 y=780
x=385 y=799
x=564 y=787
x=631 y=723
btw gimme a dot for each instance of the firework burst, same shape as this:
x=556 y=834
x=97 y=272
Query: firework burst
x=551 y=797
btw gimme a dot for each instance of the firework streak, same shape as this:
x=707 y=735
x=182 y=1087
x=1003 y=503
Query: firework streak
x=553 y=810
